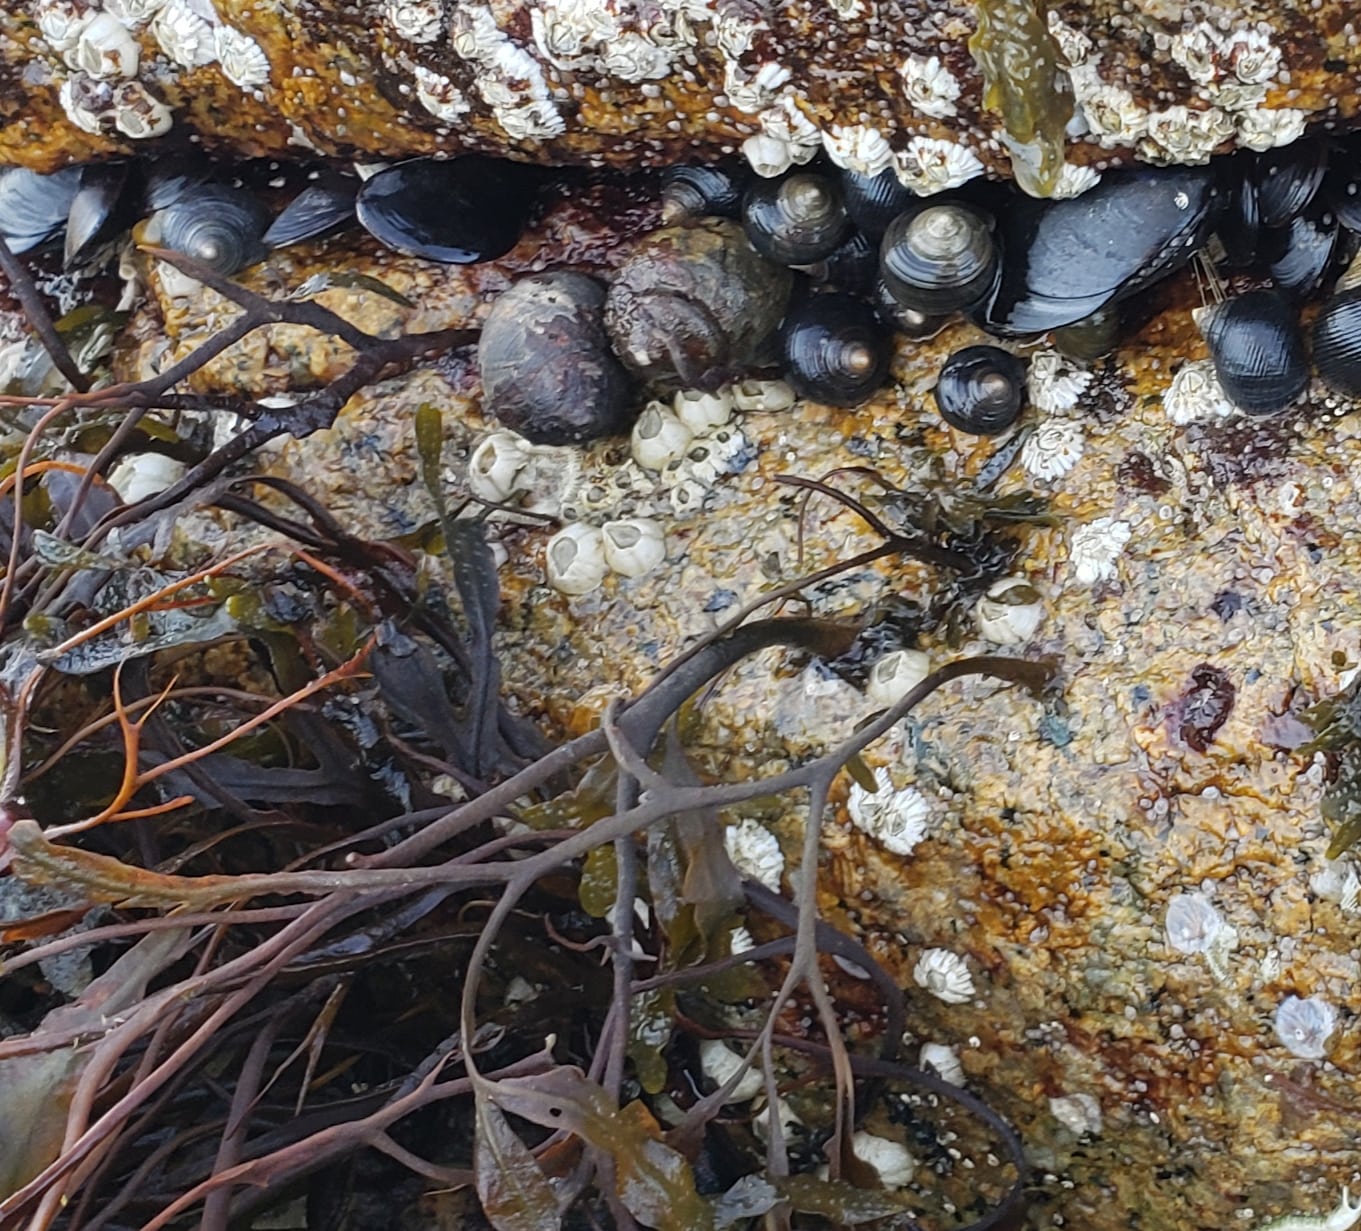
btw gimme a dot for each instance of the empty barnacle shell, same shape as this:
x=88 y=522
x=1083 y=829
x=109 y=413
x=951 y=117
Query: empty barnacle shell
x=33 y=207
x=767 y=395
x=1010 y=612
x=895 y=675
x=690 y=306
x=796 y=220
x=981 y=390
x=698 y=191
x=1337 y=342
x=457 y=211
x=496 y=465
x=659 y=437
x=701 y=411
x=944 y=975
x=324 y=206
x=892 y=1161
x=939 y=259
x=139 y=475
x=104 y=49
x=547 y=370
x=1257 y=349
x=214 y=224
x=633 y=546
x=575 y=559
x=835 y=350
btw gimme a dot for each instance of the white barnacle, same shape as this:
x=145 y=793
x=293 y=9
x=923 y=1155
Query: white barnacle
x=88 y=103
x=1195 y=394
x=634 y=545
x=766 y=395
x=133 y=12
x=755 y=852
x=944 y=975
x=1079 y=1113
x=1054 y=381
x=497 y=466
x=891 y=1160
x=859 y=148
x=846 y=9
x=943 y=1060
x=1010 y=612
x=1095 y=547
x=719 y=453
x=720 y=1063
x=930 y=87
x=241 y=58
x=417 y=21
x=1250 y=55
x=569 y=30
x=1343 y=1217
x=62 y=21
x=104 y=49
x=895 y=817
x=753 y=92
x=1184 y=135
x=1073 y=181
x=701 y=411
x=138 y=113
x=733 y=32
x=659 y=437
x=1053 y=449
x=576 y=559
x=536 y=120
x=768 y=156
x=1197 y=50
x=439 y=95
x=139 y=475
x=1074 y=46
x=1264 y=128
x=1236 y=96
x=931 y=164
x=1304 y=1026
x=1112 y=114
x=895 y=675
x=634 y=57
x=786 y=122
x=184 y=36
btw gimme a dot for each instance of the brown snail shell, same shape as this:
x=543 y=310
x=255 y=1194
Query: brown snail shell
x=690 y=306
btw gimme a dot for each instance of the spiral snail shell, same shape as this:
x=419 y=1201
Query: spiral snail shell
x=981 y=389
x=939 y=259
x=214 y=224
x=835 y=350
x=796 y=220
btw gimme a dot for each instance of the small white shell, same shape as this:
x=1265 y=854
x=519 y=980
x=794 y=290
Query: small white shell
x=702 y=412
x=62 y=22
x=242 y=59
x=1010 y=612
x=720 y=1062
x=576 y=559
x=895 y=675
x=659 y=437
x=760 y=1122
x=88 y=103
x=184 y=36
x=943 y=1060
x=633 y=546
x=891 y=1159
x=768 y=156
x=1192 y=923
x=944 y=975
x=1079 y=1113
x=137 y=113
x=133 y=12
x=1305 y=1026
x=767 y=395
x=139 y=475
x=496 y=466
x=104 y=50
x=895 y=818
x=1094 y=548
x=755 y=852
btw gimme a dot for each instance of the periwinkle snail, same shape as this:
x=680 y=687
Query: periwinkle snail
x=214 y=224
x=796 y=220
x=939 y=259
x=835 y=350
x=981 y=390
x=1257 y=349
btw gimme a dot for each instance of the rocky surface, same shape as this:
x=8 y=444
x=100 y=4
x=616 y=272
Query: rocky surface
x=1133 y=873
x=876 y=83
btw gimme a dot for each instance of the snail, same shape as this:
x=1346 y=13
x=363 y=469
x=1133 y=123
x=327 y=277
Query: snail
x=1287 y=179
x=98 y=210
x=1337 y=342
x=853 y=266
x=1091 y=337
x=795 y=220
x=547 y=370
x=1298 y=254
x=874 y=201
x=835 y=350
x=981 y=389
x=690 y=306
x=909 y=322
x=939 y=259
x=214 y=224
x=697 y=191
x=1257 y=349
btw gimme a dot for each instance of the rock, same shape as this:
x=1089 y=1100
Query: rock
x=876 y=83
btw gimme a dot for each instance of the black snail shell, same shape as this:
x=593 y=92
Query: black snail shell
x=1091 y=337
x=698 y=191
x=457 y=211
x=547 y=369
x=325 y=205
x=690 y=306
x=1257 y=349
x=1337 y=342
x=214 y=224
x=907 y=321
x=33 y=207
x=854 y=266
x=835 y=350
x=795 y=220
x=981 y=389
x=939 y=259
x=874 y=201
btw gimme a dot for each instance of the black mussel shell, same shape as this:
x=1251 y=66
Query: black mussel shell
x=940 y=258
x=101 y=208
x=217 y=225
x=907 y=321
x=873 y=201
x=698 y=191
x=457 y=211
x=1287 y=179
x=1297 y=255
x=1091 y=337
x=854 y=266
x=1337 y=342
x=1257 y=349
x=1341 y=191
x=1065 y=259
x=835 y=350
x=170 y=179
x=1239 y=227
x=690 y=306
x=324 y=206
x=33 y=207
x=981 y=390
x=547 y=368
x=795 y=220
